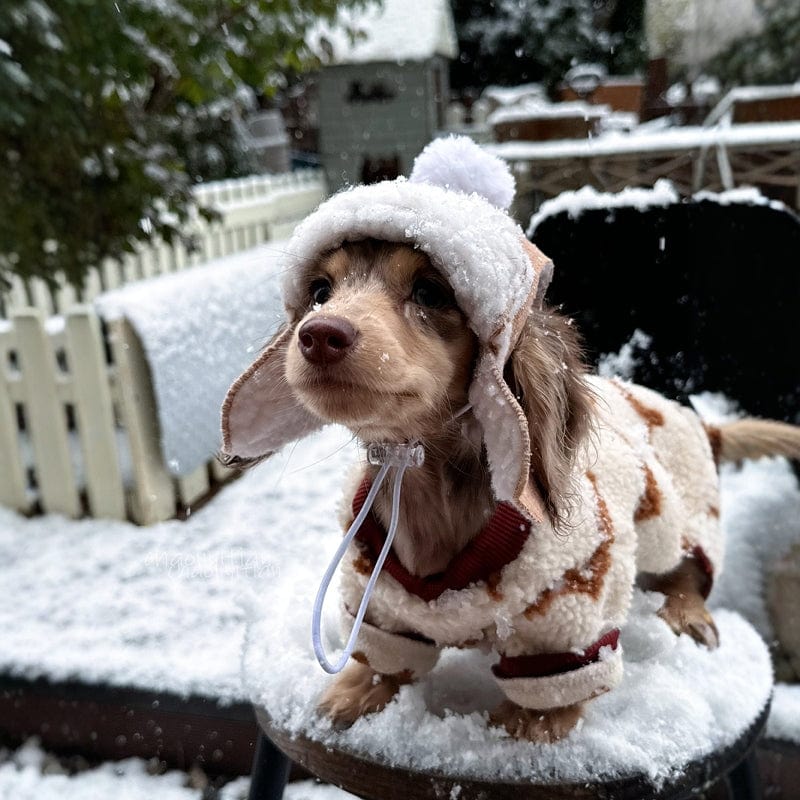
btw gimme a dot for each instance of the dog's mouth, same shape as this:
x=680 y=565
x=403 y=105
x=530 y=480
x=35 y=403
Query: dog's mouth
x=321 y=381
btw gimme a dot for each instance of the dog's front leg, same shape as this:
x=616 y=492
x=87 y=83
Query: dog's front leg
x=541 y=726
x=358 y=690
x=546 y=693
x=383 y=662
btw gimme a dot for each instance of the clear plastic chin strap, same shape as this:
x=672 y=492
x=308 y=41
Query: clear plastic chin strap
x=400 y=456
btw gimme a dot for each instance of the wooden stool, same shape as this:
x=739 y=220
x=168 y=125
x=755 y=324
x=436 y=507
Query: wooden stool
x=370 y=779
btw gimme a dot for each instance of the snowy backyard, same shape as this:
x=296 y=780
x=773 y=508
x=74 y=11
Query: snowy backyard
x=537 y=222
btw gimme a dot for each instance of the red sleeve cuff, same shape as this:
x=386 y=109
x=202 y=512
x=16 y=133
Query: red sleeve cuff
x=705 y=564
x=538 y=666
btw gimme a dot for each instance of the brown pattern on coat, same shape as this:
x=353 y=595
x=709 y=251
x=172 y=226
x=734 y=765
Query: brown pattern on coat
x=650 y=501
x=653 y=417
x=362 y=564
x=590 y=579
x=713 y=511
x=492 y=582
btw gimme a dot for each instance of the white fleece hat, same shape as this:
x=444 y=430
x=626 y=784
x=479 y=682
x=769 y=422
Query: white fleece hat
x=453 y=207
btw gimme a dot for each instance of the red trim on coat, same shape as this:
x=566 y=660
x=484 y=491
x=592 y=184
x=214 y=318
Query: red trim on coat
x=545 y=664
x=498 y=544
x=698 y=553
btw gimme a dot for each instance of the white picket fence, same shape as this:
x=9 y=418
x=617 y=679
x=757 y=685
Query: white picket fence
x=78 y=429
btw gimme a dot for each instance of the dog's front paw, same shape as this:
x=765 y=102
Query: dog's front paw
x=541 y=727
x=359 y=690
x=686 y=613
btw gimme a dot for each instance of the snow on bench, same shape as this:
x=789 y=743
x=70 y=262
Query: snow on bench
x=199 y=330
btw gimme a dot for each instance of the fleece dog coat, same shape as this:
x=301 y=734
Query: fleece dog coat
x=550 y=602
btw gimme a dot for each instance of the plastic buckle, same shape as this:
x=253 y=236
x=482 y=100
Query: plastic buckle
x=395 y=455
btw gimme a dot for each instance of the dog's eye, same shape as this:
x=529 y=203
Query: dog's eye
x=321 y=291
x=429 y=294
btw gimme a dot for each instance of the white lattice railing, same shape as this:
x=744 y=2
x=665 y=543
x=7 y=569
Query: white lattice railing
x=78 y=430
x=254 y=210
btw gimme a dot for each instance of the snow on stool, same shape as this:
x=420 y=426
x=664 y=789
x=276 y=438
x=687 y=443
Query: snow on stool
x=682 y=717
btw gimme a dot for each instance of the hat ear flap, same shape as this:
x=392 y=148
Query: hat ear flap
x=505 y=437
x=261 y=412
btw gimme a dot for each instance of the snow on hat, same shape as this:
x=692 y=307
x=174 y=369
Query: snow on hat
x=453 y=208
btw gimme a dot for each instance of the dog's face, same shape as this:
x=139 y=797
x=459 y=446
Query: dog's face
x=380 y=344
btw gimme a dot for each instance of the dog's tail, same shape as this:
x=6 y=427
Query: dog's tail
x=753 y=438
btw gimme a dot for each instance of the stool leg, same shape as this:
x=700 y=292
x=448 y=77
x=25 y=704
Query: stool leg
x=744 y=782
x=270 y=771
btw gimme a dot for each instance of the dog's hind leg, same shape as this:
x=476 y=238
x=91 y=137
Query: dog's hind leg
x=684 y=609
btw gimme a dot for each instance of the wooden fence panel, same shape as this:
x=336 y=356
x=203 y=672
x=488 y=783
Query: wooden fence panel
x=59 y=366
x=153 y=492
x=14 y=483
x=95 y=414
x=45 y=416
x=193 y=486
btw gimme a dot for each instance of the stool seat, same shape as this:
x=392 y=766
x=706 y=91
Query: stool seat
x=378 y=780
x=682 y=718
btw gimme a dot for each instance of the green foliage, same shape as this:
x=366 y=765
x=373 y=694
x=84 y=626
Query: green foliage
x=509 y=42
x=771 y=56
x=110 y=111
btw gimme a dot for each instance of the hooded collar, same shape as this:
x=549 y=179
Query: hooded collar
x=499 y=542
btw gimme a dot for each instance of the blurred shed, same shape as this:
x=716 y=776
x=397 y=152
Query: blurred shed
x=383 y=97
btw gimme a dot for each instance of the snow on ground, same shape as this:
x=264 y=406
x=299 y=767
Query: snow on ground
x=22 y=778
x=112 y=602
x=784 y=720
x=28 y=773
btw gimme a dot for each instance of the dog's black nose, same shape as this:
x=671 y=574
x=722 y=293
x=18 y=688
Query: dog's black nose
x=326 y=340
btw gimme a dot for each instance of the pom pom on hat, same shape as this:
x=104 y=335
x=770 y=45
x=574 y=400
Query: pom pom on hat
x=458 y=164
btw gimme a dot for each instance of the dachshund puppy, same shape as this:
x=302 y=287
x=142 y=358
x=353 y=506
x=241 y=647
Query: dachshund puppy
x=415 y=314
x=381 y=347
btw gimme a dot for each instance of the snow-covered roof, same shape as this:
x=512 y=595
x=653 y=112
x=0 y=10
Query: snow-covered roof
x=396 y=30
x=541 y=109
x=509 y=95
x=750 y=94
x=688 y=138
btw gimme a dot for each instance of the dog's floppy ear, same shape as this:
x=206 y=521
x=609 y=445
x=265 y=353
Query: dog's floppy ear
x=261 y=412
x=546 y=372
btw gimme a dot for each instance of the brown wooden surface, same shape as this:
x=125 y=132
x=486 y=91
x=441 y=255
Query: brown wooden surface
x=771 y=109
x=105 y=723
x=621 y=95
x=375 y=780
x=545 y=128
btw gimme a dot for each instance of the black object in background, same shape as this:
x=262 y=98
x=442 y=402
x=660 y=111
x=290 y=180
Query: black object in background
x=716 y=286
